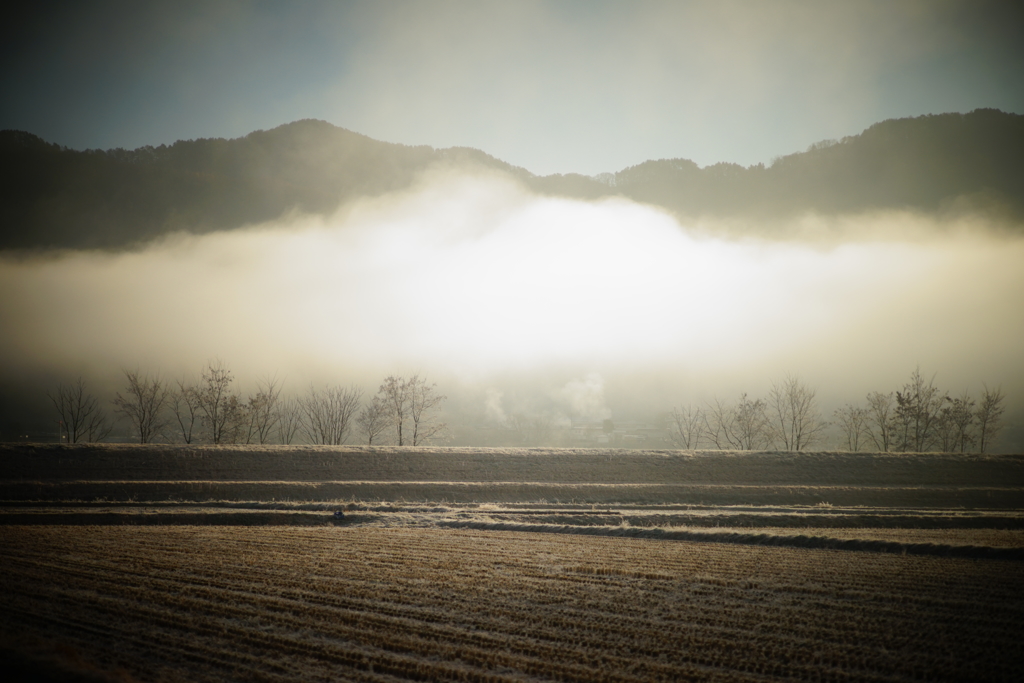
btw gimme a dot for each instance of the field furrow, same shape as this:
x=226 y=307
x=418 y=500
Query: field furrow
x=370 y=603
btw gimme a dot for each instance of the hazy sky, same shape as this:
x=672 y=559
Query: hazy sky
x=587 y=86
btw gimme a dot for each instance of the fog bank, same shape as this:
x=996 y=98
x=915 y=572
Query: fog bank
x=508 y=299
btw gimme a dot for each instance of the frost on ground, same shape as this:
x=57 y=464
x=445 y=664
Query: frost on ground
x=216 y=564
x=371 y=603
x=932 y=532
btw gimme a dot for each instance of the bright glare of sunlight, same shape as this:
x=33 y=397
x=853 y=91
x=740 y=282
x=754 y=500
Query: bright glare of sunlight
x=466 y=273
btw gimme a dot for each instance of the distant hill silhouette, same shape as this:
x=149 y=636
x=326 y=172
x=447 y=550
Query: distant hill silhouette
x=929 y=163
x=57 y=197
x=54 y=197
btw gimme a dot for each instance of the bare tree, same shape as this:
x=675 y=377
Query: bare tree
x=964 y=419
x=220 y=409
x=80 y=417
x=751 y=429
x=794 y=420
x=989 y=416
x=880 y=420
x=917 y=413
x=412 y=399
x=185 y=405
x=853 y=422
x=394 y=394
x=236 y=421
x=424 y=402
x=143 y=405
x=955 y=425
x=262 y=411
x=374 y=419
x=741 y=427
x=327 y=414
x=290 y=420
x=718 y=423
x=686 y=427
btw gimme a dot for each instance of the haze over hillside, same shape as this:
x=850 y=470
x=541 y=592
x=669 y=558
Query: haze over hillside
x=54 y=197
x=321 y=256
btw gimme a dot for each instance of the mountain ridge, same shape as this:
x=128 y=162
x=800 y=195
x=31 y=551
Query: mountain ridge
x=55 y=197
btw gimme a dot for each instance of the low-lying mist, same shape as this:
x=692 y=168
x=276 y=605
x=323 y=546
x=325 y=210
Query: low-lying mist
x=514 y=302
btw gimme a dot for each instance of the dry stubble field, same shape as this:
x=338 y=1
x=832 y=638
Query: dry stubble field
x=112 y=587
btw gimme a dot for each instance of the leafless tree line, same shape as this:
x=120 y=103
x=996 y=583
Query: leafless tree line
x=920 y=417
x=79 y=417
x=206 y=409
x=787 y=419
x=917 y=418
x=404 y=411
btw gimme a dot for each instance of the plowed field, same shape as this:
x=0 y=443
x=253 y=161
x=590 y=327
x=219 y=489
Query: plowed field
x=372 y=603
x=200 y=563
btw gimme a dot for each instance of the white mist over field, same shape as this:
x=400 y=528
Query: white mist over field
x=490 y=290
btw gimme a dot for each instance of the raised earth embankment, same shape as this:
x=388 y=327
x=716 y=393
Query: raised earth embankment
x=119 y=472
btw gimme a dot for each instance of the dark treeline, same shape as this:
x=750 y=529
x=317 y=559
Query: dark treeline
x=54 y=197
x=206 y=409
x=919 y=417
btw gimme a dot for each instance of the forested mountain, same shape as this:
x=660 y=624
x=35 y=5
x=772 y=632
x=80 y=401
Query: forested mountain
x=55 y=197
x=927 y=163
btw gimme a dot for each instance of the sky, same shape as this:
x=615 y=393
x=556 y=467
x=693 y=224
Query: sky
x=555 y=87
